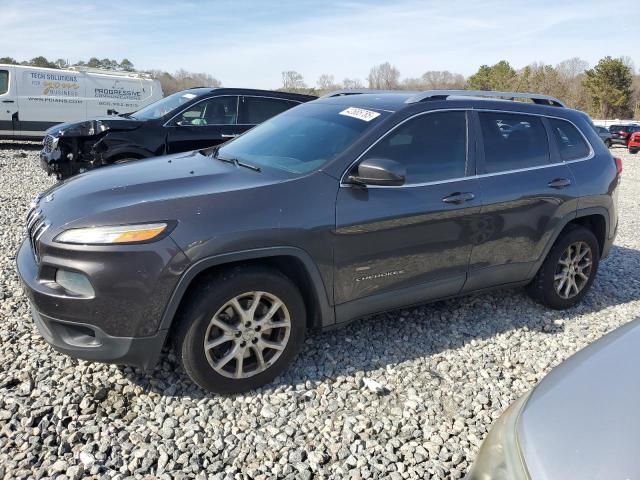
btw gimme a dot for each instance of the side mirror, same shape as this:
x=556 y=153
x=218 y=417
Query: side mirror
x=379 y=171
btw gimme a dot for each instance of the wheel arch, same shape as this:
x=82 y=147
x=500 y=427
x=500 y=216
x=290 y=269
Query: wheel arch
x=292 y=262
x=594 y=218
x=125 y=152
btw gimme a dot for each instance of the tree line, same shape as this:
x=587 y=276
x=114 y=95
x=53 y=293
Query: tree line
x=610 y=89
x=170 y=82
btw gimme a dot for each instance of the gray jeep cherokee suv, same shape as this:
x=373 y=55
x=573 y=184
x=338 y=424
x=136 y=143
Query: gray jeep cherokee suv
x=352 y=204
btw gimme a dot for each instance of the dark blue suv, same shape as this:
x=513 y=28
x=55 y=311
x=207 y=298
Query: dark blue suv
x=352 y=204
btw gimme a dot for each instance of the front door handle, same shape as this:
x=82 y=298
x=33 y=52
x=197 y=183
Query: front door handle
x=459 y=197
x=229 y=135
x=8 y=101
x=559 y=183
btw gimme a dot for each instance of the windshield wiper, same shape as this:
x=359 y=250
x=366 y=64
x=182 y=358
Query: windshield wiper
x=235 y=161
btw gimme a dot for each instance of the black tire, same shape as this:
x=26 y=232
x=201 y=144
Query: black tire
x=607 y=142
x=194 y=323
x=633 y=151
x=542 y=287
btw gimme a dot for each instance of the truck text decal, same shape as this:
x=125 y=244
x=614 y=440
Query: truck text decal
x=119 y=93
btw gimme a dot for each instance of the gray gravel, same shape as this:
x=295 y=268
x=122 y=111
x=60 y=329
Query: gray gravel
x=447 y=371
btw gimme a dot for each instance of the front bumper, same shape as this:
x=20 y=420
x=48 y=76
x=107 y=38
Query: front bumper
x=120 y=321
x=50 y=154
x=46 y=163
x=88 y=342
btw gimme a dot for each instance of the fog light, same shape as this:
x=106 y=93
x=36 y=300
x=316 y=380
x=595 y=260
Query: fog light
x=74 y=282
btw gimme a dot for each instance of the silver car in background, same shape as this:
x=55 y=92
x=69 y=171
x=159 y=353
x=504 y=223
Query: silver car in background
x=605 y=135
x=581 y=421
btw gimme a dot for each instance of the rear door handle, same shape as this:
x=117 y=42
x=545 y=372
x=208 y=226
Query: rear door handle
x=559 y=183
x=459 y=197
x=229 y=135
x=8 y=101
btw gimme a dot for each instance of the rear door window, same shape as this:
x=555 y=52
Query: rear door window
x=571 y=143
x=432 y=147
x=513 y=141
x=255 y=110
x=4 y=81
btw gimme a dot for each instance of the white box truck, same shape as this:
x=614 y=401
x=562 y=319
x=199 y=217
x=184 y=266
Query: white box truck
x=34 y=99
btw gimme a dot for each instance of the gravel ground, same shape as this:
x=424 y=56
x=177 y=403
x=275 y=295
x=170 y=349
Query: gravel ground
x=449 y=370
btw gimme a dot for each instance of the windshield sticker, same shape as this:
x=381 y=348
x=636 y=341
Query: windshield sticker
x=360 y=113
x=189 y=96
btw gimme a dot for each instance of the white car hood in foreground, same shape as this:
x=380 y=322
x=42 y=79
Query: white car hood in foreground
x=583 y=420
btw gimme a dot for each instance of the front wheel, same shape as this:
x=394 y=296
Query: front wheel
x=568 y=271
x=633 y=151
x=242 y=328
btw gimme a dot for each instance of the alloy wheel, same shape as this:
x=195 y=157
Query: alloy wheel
x=573 y=270
x=247 y=335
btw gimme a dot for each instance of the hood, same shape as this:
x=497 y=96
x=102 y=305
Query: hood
x=156 y=187
x=582 y=420
x=94 y=126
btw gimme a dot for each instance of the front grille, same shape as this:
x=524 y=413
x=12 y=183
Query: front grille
x=47 y=144
x=36 y=226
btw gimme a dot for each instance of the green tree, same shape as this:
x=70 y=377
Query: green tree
x=8 y=60
x=61 y=63
x=42 y=62
x=93 y=63
x=609 y=86
x=108 y=64
x=126 y=65
x=540 y=78
x=500 y=76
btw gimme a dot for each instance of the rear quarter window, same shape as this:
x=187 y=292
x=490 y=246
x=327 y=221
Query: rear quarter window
x=571 y=143
x=4 y=81
x=513 y=141
x=255 y=110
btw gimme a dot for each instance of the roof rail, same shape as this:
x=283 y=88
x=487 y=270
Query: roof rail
x=104 y=71
x=357 y=91
x=444 y=94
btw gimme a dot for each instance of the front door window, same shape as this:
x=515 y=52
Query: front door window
x=214 y=111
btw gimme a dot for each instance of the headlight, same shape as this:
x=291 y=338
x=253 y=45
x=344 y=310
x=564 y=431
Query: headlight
x=112 y=234
x=499 y=457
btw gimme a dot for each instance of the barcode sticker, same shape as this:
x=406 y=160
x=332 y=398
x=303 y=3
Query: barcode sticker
x=360 y=113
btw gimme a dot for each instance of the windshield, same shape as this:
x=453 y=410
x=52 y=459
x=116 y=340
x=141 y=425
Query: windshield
x=162 y=107
x=302 y=139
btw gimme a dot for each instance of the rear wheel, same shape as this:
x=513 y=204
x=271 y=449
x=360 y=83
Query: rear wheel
x=633 y=151
x=568 y=271
x=242 y=329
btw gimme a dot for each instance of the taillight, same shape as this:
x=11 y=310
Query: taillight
x=618 y=165
x=623 y=133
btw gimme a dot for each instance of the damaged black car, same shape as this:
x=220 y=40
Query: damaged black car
x=191 y=119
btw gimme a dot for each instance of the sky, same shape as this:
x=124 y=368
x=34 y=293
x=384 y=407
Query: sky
x=250 y=43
